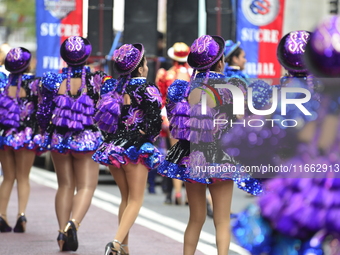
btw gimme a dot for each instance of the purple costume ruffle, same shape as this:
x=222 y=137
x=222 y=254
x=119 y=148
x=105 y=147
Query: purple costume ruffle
x=147 y=154
x=109 y=111
x=124 y=142
x=67 y=121
x=18 y=124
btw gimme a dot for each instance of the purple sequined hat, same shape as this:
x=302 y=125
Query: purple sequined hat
x=291 y=49
x=128 y=57
x=322 y=56
x=205 y=51
x=17 y=60
x=75 y=50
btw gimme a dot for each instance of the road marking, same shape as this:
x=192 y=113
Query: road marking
x=167 y=226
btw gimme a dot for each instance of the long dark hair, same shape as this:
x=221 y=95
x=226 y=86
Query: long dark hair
x=134 y=73
x=213 y=67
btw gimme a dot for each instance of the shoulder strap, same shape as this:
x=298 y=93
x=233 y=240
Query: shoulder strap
x=83 y=81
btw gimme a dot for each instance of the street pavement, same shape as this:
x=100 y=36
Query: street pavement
x=159 y=228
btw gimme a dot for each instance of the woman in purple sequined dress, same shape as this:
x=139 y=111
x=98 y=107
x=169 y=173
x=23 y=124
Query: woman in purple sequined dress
x=129 y=113
x=20 y=138
x=197 y=154
x=66 y=117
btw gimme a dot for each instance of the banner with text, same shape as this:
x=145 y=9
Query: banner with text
x=56 y=20
x=259 y=29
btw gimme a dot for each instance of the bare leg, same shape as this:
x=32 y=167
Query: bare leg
x=120 y=178
x=197 y=206
x=8 y=168
x=23 y=160
x=66 y=186
x=171 y=139
x=136 y=177
x=221 y=194
x=86 y=177
x=178 y=190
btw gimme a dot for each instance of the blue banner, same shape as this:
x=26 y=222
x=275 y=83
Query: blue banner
x=259 y=30
x=244 y=33
x=55 y=21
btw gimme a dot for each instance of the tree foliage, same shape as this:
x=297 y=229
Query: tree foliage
x=20 y=14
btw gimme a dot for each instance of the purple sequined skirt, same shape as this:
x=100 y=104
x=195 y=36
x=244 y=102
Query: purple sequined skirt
x=84 y=141
x=195 y=166
x=25 y=138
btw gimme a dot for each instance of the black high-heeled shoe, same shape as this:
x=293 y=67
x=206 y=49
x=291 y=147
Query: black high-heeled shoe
x=62 y=241
x=20 y=227
x=4 y=227
x=71 y=232
x=111 y=250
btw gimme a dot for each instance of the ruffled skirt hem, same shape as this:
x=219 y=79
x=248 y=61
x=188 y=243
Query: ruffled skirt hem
x=110 y=154
x=212 y=174
x=24 y=139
